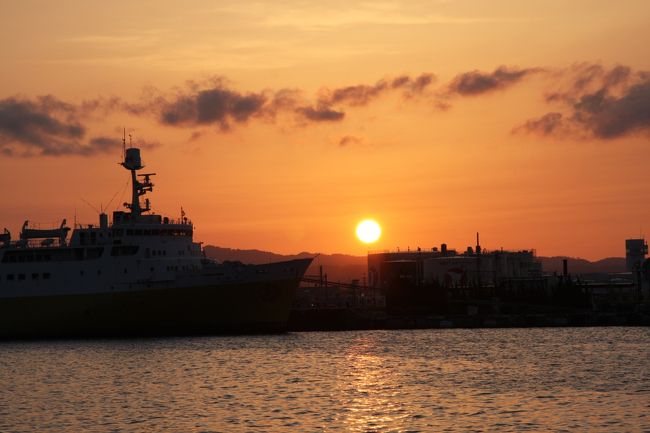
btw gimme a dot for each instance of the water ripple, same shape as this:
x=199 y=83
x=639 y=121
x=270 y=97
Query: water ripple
x=561 y=379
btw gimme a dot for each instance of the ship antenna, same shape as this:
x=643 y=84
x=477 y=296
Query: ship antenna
x=124 y=144
x=89 y=204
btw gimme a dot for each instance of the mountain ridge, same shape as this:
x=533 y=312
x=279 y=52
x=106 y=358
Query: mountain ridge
x=345 y=267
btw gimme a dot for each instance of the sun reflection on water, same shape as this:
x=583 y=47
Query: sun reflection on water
x=369 y=391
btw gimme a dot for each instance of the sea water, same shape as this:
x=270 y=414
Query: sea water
x=552 y=379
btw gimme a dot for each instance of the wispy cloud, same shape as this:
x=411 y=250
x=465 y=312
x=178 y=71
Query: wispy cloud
x=478 y=82
x=362 y=94
x=323 y=17
x=350 y=140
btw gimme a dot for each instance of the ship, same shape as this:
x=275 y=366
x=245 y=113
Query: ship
x=140 y=274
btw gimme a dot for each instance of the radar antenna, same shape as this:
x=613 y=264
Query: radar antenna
x=133 y=163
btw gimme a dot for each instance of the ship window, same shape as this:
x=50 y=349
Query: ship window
x=81 y=273
x=34 y=276
x=46 y=276
x=138 y=232
x=124 y=250
x=153 y=252
x=10 y=277
x=21 y=276
x=129 y=232
x=99 y=272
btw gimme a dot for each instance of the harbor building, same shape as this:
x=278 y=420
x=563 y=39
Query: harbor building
x=442 y=279
x=444 y=267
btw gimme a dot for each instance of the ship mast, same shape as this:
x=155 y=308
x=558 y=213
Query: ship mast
x=133 y=163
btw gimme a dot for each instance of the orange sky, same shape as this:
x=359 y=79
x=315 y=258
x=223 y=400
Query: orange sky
x=282 y=154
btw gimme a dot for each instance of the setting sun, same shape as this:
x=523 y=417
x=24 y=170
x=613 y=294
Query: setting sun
x=368 y=231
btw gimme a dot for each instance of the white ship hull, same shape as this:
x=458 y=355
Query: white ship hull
x=142 y=274
x=259 y=300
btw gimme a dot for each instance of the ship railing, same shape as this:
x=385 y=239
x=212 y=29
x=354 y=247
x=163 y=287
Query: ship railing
x=179 y=221
x=37 y=243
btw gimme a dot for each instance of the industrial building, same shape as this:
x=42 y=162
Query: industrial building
x=635 y=252
x=434 y=279
x=443 y=267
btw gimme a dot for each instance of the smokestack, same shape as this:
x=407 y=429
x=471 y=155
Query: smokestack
x=103 y=220
x=443 y=249
x=478 y=245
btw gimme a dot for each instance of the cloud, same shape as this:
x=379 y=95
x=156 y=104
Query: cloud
x=215 y=103
x=609 y=116
x=348 y=140
x=321 y=113
x=49 y=126
x=218 y=106
x=586 y=78
x=548 y=124
x=477 y=82
x=45 y=126
x=598 y=103
x=363 y=94
x=358 y=95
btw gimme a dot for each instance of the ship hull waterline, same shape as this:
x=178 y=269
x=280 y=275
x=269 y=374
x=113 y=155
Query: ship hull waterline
x=237 y=308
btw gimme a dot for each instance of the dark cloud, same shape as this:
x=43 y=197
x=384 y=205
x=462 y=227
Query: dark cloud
x=477 y=82
x=34 y=122
x=608 y=116
x=218 y=106
x=321 y=114
x=598 y=102
x=44 y=126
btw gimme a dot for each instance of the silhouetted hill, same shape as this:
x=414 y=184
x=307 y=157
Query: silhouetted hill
x=577 y=265
x=345 y=268
x=338 y=267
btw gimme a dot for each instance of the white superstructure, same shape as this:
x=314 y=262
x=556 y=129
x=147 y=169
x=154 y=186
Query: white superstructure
x=136 y=251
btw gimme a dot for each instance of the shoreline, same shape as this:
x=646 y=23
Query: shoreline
x=347 y=320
